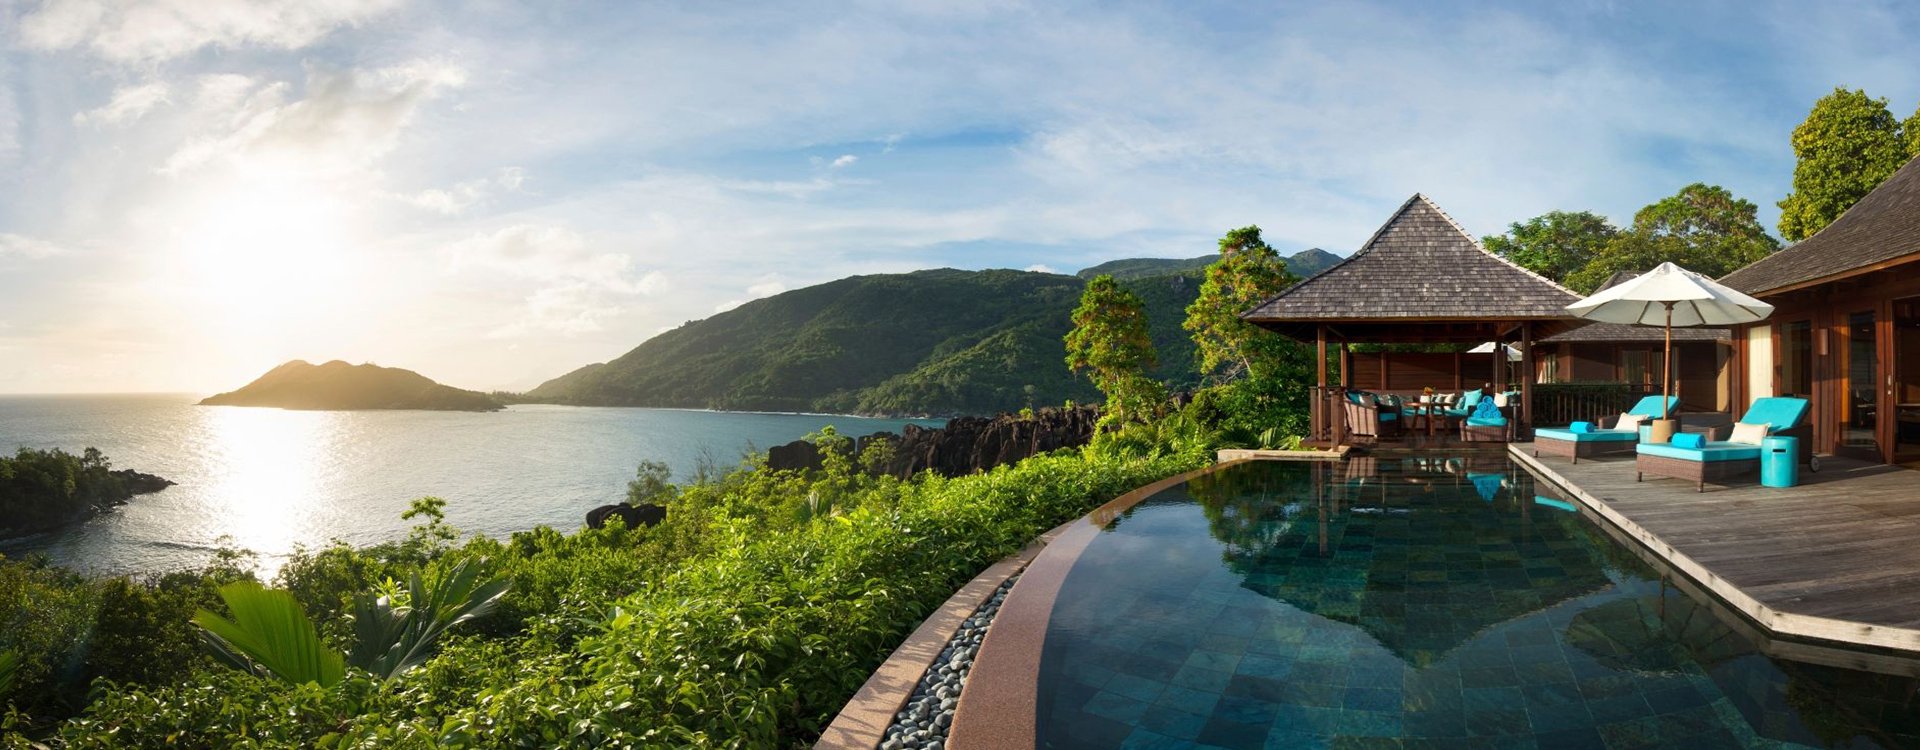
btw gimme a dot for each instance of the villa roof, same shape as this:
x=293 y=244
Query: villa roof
x=1883 y=229
x=1615 y=333
x=1421 y=277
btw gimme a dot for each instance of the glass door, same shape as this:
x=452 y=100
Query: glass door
x=1906 y=381
x=1860 y=400
x=1794 y=365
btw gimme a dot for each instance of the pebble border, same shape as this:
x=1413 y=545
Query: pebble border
x=923 y=723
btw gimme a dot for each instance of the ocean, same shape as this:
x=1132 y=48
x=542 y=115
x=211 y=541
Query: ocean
x=267 y=480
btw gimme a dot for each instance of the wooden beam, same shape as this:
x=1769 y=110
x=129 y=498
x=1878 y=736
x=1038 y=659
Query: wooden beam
x=1527 y=377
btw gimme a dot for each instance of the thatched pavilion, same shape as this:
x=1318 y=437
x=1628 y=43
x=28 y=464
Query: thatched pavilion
x=1420 y=279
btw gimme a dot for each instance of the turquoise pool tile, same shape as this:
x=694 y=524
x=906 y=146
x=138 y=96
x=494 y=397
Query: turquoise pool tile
x=1146 y=739
x=1175 y=724
x=1205 y=680
x=1137 y=688
x=1382 y=724
x=1115 y=707
x=1371 y=699
x=1188 y=700
x=1213 y=660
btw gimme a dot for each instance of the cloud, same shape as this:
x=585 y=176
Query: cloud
x=845 y=160
x=1041 y=268
x=17 y=246
x=129 y=103
x=147 y=31
x=347 y=121
x=576 y=286
x=551 y=254
x=455 y=200
x=766 y=289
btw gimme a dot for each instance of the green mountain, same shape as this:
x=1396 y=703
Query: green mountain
x=1302 y=264
x=337 y=385
x=930 y=342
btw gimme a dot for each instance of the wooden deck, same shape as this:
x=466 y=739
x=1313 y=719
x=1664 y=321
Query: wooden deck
x=1835 y=559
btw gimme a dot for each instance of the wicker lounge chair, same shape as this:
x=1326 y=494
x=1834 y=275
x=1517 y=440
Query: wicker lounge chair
x=1367 y=416
x=1605 y=439
x=1718 y=459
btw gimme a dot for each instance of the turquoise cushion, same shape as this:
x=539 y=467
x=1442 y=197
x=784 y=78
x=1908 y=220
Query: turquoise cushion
x=1597 y=436
x=1387 y=416
x=1486 y=421
x=1689 y=440
x=1457 y=412
x=1354 y=397
x=1580 y=427
x=1711 y=452
x=1650 y=406
x=1472 y=397
x=1779 y=412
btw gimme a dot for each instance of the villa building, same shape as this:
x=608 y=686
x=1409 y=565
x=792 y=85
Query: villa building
x=1845 y=332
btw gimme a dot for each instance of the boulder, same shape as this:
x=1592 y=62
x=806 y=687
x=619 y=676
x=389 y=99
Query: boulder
x=964 y=446
x=635 y=516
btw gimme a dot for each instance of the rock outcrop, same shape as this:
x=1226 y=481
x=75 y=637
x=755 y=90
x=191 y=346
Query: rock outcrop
x=635 y=516
x=964 y=446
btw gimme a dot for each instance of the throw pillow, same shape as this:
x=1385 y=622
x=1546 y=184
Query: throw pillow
x=1747 y=433
x=1689 y=440
x=1631 y=421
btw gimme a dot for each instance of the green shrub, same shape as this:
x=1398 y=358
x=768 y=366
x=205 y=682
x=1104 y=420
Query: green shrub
x=736 y=623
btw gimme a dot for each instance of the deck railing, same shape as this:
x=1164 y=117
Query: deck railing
x=1565 y=403
x=1553 y=404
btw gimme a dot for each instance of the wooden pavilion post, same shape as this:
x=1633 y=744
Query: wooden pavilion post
x=1526 y=378
x=1346 y=365
x=1321 y=423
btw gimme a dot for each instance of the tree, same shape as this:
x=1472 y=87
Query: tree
x=1911 y=128
x=1110 y=342
x=1848 y=144
x=1248 y=273
x=1554 y=244
x=1703 y=228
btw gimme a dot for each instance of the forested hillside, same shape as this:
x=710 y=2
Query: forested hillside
x=929 y=342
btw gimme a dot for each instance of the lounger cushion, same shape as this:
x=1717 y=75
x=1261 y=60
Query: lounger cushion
x=1650 y=406
x=1580 y=427
x=1711 y=452
x=1387 y=416
x=1689 y=440
x=1596 y=436
x=1748 y=434
x=1782 y=412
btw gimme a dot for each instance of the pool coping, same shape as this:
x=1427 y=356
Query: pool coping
x=1772 y=622
x=999 y=707
x=862 y=723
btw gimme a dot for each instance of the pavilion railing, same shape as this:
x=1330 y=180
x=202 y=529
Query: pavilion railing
x=1557 y=404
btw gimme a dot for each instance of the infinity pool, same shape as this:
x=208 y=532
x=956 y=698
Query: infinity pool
x=1415 y=601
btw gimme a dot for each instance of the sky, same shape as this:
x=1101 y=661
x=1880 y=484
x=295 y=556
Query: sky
x=495 y=193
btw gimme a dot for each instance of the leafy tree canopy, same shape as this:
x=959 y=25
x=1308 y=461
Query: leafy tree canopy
x=1847 y=146
x=1111 y=343
x=1554 y=244
x=1702 y=228
x=1247 y=273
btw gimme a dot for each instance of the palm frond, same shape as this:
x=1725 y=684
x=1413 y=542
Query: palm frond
x=269 y=635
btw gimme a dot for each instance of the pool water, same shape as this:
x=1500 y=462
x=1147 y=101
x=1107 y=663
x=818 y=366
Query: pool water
x=1414 y=601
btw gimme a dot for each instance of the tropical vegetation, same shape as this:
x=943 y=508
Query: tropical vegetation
x=43 y=489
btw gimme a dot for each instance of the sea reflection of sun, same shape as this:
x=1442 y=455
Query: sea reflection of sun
x=268 y=466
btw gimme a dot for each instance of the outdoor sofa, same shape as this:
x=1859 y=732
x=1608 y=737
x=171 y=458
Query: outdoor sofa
x=1606 y=437
x=1717 y=458
x=1372 y=414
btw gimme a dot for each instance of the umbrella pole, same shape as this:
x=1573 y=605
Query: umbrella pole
x=1666 y=367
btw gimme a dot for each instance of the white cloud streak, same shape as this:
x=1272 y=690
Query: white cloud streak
x=148 y=31
x=129 y=103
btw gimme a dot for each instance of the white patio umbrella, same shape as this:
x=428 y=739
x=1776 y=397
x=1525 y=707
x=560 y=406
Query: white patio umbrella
x=1513 y=352
x=1670 y=296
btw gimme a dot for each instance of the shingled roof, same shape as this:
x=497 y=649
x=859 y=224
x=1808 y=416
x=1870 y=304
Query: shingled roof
x=1420 y=270
x=1883 y=227
x=1615 y=333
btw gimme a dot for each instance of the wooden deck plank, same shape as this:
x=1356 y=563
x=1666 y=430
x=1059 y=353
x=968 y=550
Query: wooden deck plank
x=1835 y=558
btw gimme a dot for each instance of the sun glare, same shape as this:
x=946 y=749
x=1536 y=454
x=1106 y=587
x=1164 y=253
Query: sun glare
x=263 y=256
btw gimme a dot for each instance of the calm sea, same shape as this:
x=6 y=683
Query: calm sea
x=270 y=479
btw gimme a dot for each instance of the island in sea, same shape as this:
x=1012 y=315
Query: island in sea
x=338 y=386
